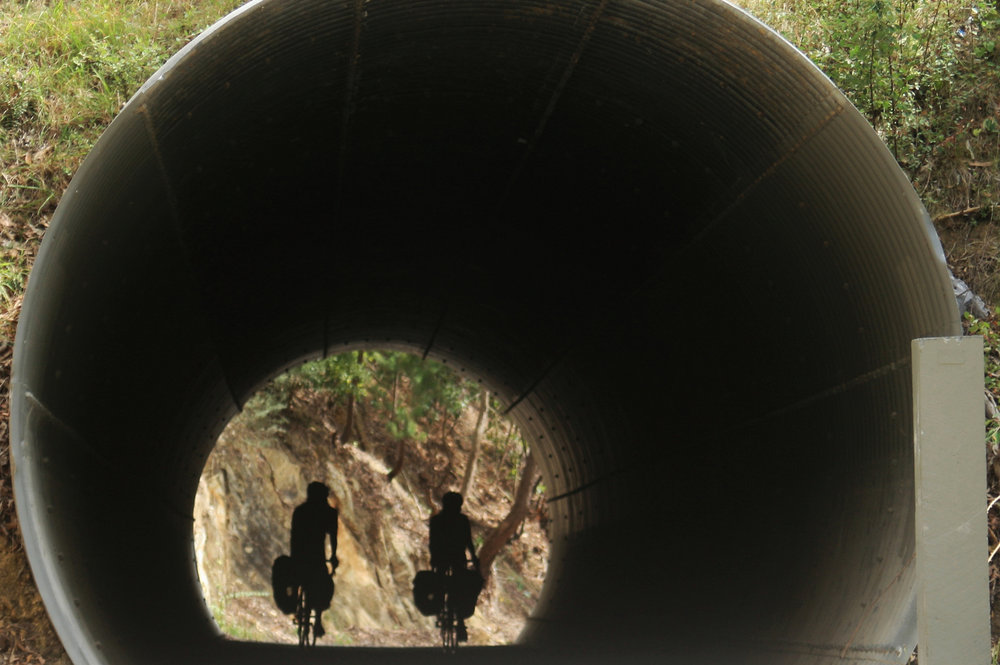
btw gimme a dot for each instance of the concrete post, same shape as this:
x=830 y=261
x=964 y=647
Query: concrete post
x=953 y=617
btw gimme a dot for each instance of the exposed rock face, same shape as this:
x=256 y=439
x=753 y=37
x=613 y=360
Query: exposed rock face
x=242 y=519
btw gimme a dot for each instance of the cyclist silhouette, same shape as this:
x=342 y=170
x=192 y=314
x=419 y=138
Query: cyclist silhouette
x=312 y=522
x=451 y=536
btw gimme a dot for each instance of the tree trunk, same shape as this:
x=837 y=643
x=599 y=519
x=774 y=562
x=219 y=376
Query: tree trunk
x=397 y=466
x=395 y=384
x=345 y=437
x=328 y=424
x=435 y=493
x=497 y=540
x=477 y=437
x=506 y=446
x=359 y=424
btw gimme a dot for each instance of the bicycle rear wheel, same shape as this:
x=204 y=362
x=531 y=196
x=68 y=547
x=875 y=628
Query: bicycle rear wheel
x=303 y=623
x=449 y=635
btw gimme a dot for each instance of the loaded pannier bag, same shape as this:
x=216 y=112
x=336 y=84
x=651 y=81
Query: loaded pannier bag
x=319 y=590
x=428 y=592
x=284 y=584
x=465 y=586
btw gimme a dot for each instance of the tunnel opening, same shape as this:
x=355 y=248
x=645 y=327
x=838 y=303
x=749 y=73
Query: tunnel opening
x=389 y=433
x=667 y=243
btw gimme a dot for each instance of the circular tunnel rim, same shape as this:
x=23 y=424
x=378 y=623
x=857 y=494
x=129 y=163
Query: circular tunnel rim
x=29 y=409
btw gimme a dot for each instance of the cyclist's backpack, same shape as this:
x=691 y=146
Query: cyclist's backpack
x=428 y=592
x=284 y=584
x=465 y=587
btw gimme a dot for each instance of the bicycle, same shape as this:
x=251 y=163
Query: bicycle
x=459 y=601
x=305 y=624
x=447 y=620
x=303 y=620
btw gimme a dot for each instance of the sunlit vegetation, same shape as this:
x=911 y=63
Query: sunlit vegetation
x=926 y=74
x=66 y=69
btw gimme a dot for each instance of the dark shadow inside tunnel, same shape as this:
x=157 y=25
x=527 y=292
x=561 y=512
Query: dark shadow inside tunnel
x=665 y=242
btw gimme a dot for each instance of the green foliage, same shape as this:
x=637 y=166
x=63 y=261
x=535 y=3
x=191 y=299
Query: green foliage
x=993 y=434
x=990 y=332
x=14 y=267
x=237 y=630
x=924 y=72
x=341 y=375
x=66 y=69
x=412 y=391
x=13 y=274
x=509 y=446
x=265 y=413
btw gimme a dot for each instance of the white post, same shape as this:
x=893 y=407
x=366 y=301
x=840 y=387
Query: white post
x=953 y=614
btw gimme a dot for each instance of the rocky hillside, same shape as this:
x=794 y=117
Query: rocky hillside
x=258 y=474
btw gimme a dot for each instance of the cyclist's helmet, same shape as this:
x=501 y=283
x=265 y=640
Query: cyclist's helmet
x=452 y=501
x=317 y=491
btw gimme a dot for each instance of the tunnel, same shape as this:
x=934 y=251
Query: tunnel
x=662 y=238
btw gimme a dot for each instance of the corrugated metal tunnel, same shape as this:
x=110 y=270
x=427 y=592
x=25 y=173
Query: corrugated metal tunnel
x=658 y=233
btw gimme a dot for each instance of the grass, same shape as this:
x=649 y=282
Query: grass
x=66 y=69
x=14 y=267
x=235 y=630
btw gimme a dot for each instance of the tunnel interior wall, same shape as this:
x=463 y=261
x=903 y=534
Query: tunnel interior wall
x=652 y=229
